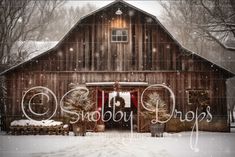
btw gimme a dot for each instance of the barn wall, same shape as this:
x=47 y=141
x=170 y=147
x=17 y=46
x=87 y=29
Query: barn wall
x=179 y=82
x=88 y=55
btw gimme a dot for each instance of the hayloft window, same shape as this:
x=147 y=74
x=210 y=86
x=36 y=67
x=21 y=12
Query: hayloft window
x=119 y=35
x=200 y=97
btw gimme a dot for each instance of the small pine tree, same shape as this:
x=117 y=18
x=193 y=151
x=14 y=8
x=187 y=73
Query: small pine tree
x=153 y=100
x=77 y=101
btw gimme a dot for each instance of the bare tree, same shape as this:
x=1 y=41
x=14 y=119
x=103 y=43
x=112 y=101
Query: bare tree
x=205 y=19
x=64 y=19
x=22 y=20
x=221 y=17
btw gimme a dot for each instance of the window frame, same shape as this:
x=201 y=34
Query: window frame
x=122 y=29
x=198 y=90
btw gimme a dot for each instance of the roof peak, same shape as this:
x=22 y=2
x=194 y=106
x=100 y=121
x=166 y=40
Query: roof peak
x=115 y=2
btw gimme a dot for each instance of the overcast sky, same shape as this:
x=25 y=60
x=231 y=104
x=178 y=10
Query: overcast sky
x=150 y=6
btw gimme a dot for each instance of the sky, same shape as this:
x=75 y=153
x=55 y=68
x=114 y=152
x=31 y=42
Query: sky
x=150 y=6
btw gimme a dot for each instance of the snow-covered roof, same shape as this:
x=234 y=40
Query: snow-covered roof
x=32 y=48
x=230 y=42
x=144 y=12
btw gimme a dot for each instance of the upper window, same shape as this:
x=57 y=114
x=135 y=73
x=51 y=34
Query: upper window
x=119 y=35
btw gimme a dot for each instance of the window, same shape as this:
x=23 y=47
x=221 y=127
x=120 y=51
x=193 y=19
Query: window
x=199 y=97
x=119 y=35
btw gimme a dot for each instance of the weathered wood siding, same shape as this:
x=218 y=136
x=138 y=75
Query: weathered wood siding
x=178 y=81
x=88 y=55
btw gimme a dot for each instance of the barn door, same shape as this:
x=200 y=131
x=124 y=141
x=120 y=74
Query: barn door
x=113 y=102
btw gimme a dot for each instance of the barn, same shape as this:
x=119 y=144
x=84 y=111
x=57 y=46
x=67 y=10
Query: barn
x=122 y=47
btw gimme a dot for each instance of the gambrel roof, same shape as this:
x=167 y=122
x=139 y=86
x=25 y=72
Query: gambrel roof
x=121 y=2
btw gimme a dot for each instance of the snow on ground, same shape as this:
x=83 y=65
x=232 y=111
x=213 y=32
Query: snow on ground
x=24 y=122
x=118 y=144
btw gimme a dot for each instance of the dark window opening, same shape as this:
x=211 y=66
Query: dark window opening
x=198 y=97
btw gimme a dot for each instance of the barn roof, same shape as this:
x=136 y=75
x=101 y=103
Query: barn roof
x=102 y=8
x=34 y=48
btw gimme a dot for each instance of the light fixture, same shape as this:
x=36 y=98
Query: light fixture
x=118 y=12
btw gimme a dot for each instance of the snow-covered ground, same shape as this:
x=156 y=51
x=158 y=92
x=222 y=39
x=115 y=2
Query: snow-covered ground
x=25 y=122
x=118 y=144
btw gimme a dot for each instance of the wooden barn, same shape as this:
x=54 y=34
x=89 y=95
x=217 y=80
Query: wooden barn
x=122 y=45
